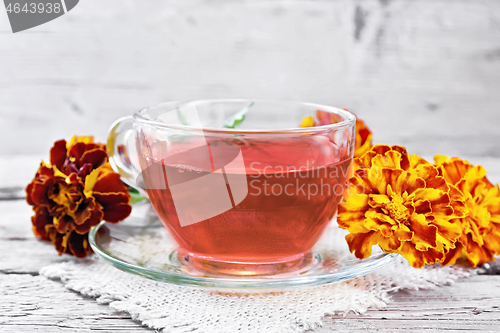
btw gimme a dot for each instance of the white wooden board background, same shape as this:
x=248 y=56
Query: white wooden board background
x=422 y=73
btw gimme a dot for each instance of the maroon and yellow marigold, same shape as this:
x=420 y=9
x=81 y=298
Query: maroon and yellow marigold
x=75 y=192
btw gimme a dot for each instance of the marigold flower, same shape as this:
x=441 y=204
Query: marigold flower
x=81 y=155
x=307 y=121
x=401 y=203
x=480 y=238
x=364 y=136
x=74 y=193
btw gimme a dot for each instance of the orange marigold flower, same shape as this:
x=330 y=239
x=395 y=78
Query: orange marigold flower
x=401 y=203
x=480 y=238
x=327 y=118
x=74 y=193
x=364 y=136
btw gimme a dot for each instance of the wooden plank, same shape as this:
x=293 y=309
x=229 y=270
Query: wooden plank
x=17 y=171
x=472 y=304
x=36 y=304
x=424 y=74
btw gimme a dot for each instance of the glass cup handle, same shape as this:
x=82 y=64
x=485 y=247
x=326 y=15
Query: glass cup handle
x=118 y=147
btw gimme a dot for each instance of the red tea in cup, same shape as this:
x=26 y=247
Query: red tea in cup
x=247 y=198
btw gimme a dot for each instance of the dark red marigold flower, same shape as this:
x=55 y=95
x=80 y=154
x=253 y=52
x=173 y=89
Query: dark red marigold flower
x=74 y=193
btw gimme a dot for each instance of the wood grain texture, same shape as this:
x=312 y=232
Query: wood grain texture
x=469 y=305
x=36 y=304
x=29 y=302
x=424 y=74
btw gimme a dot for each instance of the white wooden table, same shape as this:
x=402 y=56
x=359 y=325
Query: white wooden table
x=29 y=302
x=422 y=73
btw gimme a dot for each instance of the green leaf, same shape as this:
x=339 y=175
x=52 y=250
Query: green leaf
x=181 y=118
x=135 y=196
x=235 y=120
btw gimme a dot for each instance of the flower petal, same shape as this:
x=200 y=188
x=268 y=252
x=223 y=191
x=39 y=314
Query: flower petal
x=422 y=207
x=60 y=241
x=420 y=258
x=115 y=205
x=379 y=222
x=404 y=234
x=28 y=190
x=63 y=224
x=351 y=213
x=449 y=231
x=454 y=255
x=366 y=159
x=86 y=211
x=77 y=150
x=493 y=241
x=378 y=200
x=95 y=217
x=96 y=157
x=477 y=255
x=364 y=137
x=491 y=199
x=457 y=202
x=327 y=118
x=389 y=244
x=361 y=244
x=454 y=168
x=424 y=235
x=44 y=179
x=403 y=181
x=78 y=245
x=393 y=159
x=110 y=182
x=438 y=200
x=39 y=221
x=58 y=154
x=307 y=121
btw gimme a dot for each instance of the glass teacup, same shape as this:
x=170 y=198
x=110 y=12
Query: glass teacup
x=240 y=187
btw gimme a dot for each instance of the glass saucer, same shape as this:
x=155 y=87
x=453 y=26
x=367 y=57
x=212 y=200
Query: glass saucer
x=141 y=245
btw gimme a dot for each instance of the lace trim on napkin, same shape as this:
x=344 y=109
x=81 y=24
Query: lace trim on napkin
x=184 y=309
